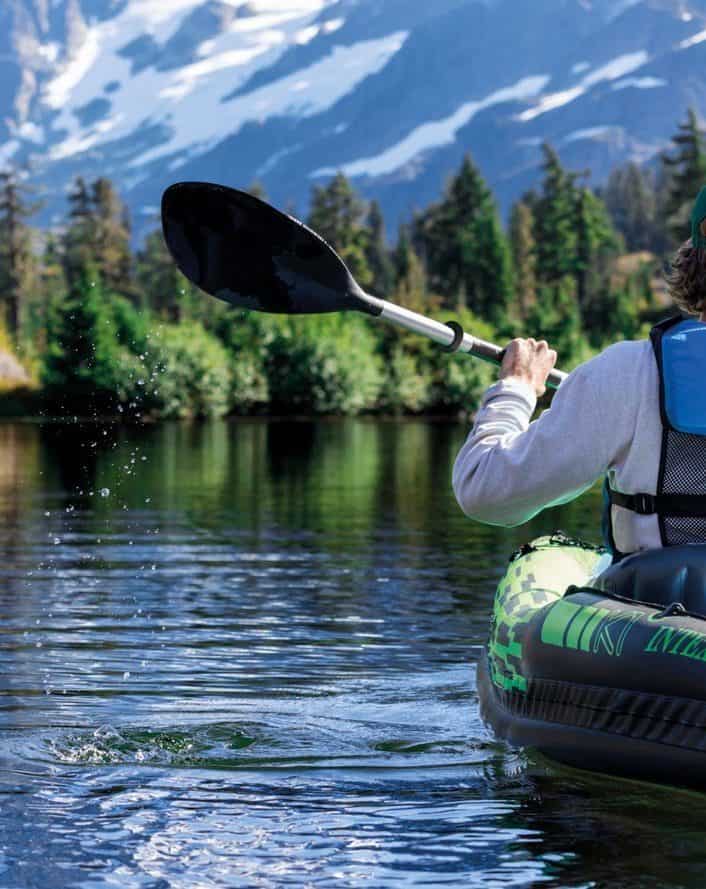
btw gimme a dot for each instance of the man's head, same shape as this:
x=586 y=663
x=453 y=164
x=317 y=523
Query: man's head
x=687 y=278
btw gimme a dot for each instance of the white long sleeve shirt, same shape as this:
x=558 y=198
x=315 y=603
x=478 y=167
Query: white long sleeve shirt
x=604 y=419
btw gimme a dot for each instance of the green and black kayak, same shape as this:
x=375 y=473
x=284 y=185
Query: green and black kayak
x=600 y=665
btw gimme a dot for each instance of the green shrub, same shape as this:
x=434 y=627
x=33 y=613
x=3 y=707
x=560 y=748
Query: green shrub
x=189 y=373
x=460 y=384
x=132 y=325
x=405 y=389
x=323 y=365
x=555 y=317
x=246 y=336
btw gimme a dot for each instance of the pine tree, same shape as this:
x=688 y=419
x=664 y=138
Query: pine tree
x=83 y=351
x=51 y=286
x=17 y=261
x=629 y=195
x=159 y=280
x=554 y=316
x=662 y=242
x=467 y=254
x=403 y=252
x=412 y=287
x=79 y=247
x=597 y=247
x=523 y=254
x=111 y=238
x=52 y=268
x=338 y=215
x=555 y=233
x=377 y=254
x=491 y=291
x=687 y=175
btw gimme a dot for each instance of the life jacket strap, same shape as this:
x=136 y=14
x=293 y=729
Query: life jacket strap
x=682 y=505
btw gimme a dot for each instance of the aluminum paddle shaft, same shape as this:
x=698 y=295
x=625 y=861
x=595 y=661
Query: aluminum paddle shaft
x=453 y=339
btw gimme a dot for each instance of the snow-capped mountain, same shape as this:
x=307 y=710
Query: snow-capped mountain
x=393 y=92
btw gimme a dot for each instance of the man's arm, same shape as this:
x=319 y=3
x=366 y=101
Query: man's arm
x=510 y=469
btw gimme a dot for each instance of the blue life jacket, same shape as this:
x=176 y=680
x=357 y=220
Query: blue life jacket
x=680 y=501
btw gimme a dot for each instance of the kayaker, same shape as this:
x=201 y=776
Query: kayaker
x=618 y=416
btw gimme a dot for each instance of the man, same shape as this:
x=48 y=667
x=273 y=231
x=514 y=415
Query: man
x=635 y=415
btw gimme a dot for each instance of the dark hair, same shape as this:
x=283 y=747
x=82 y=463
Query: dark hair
x=686 y=280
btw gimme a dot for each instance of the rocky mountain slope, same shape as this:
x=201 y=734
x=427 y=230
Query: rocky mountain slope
x=288 y=91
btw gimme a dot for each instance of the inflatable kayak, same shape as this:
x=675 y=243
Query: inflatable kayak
x=602 y=666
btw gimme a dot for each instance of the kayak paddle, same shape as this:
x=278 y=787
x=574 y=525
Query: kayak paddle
x=240 y=249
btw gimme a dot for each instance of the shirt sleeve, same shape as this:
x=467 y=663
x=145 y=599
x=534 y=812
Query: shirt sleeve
x=509 y=468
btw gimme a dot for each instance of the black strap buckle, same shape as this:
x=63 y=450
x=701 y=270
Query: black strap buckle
x=644 y=504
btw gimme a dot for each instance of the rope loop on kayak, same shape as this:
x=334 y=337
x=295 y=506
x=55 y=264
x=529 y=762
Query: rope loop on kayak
x=675 y=609
x=524 y=550
x=558 y=538
x=561 y=538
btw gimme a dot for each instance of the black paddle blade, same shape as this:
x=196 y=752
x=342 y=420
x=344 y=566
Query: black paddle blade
x=240 y=249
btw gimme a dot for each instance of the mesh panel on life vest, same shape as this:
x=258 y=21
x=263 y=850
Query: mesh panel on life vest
x=684 y=473
x=678 y=531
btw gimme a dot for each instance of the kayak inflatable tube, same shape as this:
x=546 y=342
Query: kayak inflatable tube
x=602 y=666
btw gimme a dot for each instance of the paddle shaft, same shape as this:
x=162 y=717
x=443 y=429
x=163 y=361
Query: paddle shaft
x=445 y=335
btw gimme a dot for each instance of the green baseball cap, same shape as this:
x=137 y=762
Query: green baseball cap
x=698 y=214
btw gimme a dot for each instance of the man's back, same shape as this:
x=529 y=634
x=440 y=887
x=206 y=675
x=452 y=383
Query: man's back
x=635 y=415
x=604 y=419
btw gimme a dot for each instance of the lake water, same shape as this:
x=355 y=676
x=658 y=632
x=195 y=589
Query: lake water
x=243 y=654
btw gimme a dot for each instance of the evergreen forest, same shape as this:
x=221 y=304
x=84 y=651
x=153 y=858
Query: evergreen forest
x=89 y=326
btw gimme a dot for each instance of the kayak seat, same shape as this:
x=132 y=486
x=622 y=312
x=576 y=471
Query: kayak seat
x=660 y=577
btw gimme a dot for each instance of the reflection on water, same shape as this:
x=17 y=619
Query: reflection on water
x=244 y=654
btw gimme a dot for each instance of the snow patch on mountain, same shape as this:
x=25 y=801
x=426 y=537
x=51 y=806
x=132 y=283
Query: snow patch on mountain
x=59 y=91
x=550 y=102
x=140 y=17
x=617 y=67
x=692 y=41
x=641 y=83
x=305 y=93
x=8 y=151
x=624 y=64
x=592 y=133
x=618 y=8
x=232 y=57
x=435 y=134
x=32 y=132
